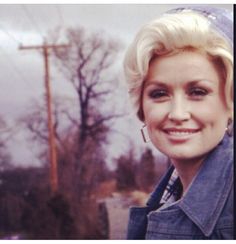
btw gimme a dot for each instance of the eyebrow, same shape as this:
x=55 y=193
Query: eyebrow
x=155 y=82
x=164 y=84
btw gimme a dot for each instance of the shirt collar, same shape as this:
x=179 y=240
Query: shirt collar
x=173 y=190
x=209 y=190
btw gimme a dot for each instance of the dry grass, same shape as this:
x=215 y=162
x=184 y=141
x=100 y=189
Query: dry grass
x=138 y=198
x=105 y=189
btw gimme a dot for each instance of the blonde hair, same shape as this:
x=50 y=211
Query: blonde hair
x=171 y=33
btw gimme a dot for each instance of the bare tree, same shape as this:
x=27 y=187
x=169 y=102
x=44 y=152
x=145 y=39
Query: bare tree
x=88 y=64
x=146 y=175
x=82 y=123
x=5 y=135
x=126 y=171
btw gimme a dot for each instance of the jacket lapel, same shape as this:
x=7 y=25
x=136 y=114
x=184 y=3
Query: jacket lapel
x=210 y=189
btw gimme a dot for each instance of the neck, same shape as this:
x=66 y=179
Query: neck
x=187 y=169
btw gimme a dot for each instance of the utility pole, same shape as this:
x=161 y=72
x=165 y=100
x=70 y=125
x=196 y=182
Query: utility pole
x=51 y=137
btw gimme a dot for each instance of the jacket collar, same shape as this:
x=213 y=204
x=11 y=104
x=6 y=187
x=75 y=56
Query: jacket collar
x=209 y=190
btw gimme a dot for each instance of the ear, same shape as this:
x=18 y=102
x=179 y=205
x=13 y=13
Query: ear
x=230 y=127
x=231 y=113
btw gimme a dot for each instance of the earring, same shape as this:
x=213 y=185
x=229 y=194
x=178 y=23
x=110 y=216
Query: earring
x=230 y=127
x=144 y=133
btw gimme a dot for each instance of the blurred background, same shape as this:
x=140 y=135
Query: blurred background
x=72 y=159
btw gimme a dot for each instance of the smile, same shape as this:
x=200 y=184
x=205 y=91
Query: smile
x=180 y=132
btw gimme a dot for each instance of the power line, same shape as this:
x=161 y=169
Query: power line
x=10 y=60
x=31 y=19
x=9 y=35
x=15 y=68
x=19 y=73
x=59 y=12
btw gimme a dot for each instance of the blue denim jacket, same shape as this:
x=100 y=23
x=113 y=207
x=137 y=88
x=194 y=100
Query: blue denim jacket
x=206 y=210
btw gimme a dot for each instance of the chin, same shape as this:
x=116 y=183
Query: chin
x=186 y=156
x=180 y=155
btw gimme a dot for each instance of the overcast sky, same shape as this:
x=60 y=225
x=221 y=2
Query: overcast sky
x=22 y=71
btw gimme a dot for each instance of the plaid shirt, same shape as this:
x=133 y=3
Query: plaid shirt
x=173 y=190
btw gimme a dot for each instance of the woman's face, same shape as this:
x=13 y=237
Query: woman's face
x=184 y=105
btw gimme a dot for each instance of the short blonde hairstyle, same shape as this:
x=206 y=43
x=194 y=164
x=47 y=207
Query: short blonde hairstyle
x=172 y=33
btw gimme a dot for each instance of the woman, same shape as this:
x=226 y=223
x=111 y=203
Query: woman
x=180 y=73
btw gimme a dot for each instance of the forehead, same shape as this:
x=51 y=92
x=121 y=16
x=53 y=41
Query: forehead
x=181 y=67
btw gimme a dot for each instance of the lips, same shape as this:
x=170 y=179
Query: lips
x=180 y=131
x=180 y=134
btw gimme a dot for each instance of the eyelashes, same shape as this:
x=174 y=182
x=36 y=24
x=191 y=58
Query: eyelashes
x=157 y=93
x=193 y=92
x=198 y=91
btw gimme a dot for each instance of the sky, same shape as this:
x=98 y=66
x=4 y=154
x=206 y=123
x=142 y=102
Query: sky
x=22 y=71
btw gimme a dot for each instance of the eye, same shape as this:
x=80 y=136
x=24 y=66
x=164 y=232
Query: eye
x=157 y=93
x=197 y=92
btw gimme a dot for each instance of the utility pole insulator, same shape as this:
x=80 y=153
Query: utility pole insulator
x=51 y=135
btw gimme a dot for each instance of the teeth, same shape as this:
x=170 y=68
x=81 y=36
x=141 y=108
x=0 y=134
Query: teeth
x=180 y=132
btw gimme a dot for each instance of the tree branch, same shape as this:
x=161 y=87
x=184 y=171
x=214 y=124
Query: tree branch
x=103 y=119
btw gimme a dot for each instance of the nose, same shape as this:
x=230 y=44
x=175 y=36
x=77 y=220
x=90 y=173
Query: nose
x=179 y=109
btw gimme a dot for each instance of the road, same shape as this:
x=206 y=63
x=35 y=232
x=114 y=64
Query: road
x=118 y=211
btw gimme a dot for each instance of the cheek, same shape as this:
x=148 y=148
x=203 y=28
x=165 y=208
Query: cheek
x=212 y=113
x=154 y=114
